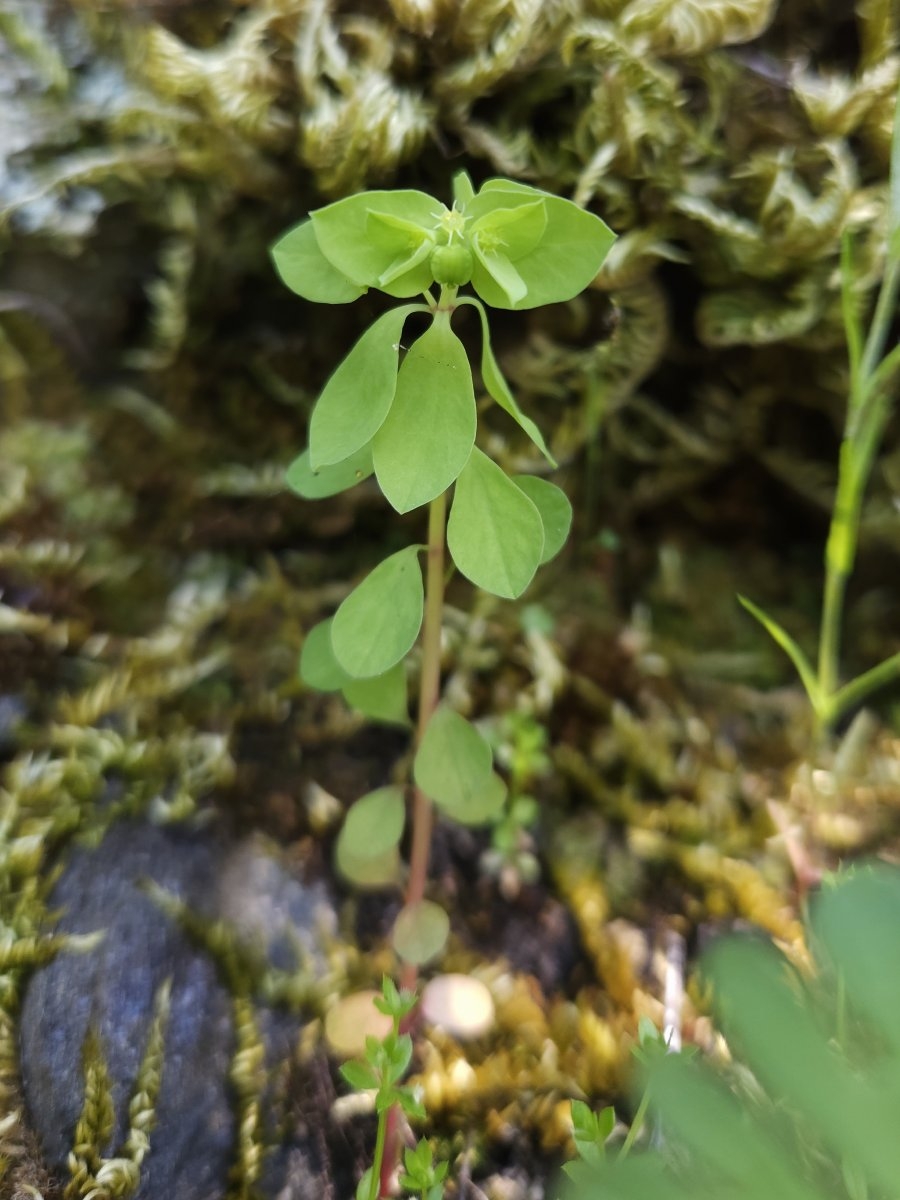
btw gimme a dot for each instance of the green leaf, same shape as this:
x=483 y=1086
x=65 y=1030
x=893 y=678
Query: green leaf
x=374 y=823
x=303 y=267
x=359 y=1075
x=409 y=244
x=495 y=533
x=328 y=481
x=866 y=900
x=382 y=698
x=497 y=387
x=491 y=271
x=791 y=649
x=365 y=249
x=462 y=189
x=420 y=932
x=358 y=396
x=318 y=666
x=515 y=231
x=429 y=432
x=453 y=768
x=568 y=256
x=555 y=511
x=377 y=624
x=372 y=872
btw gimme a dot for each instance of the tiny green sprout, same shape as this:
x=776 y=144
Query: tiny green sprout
x=381 y=1071
x=408 y=417
x=421 y=1173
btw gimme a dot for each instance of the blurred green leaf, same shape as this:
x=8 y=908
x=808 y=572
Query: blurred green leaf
x=382 y=698
x=358 y=396
x=495 y=533
x=555 y=511
x=420 y=932
x=377 y=624
x=429 y=432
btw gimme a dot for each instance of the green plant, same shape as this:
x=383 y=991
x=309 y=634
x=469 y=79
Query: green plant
x=519 y=742
x=811 y=1107
x=871 y=400
x=382 y=1069
x=412 y=423
x=591 y=1132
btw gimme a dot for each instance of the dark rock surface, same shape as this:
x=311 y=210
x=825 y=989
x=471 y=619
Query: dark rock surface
x=112 y=989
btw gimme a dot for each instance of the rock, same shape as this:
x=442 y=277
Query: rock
x=111 y=989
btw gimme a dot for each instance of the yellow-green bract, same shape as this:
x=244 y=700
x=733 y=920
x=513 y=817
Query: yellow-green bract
x=521 y=247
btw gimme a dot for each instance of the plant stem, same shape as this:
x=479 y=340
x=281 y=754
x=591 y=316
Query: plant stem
x=377 y=1188
x=867 y=416
x=429 y=691
x=423 y=811
x=636 y=1125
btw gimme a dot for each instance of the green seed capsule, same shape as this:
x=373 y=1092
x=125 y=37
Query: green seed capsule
x=451 y=265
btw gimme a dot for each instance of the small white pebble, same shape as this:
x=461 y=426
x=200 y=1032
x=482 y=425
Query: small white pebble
x=459 y=1004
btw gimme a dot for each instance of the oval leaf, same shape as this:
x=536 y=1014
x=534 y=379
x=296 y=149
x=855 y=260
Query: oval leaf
x=382 y=698
x=358 y=236
x=328 y=481
x=495 y=532
x=358 y=396
x=554 y=508
x=318 y=666
x=565 y=260
x=453 y=766
x=420 y=932
x=303 y=267
x=373 y=872
x=428 y=435
x=374 y=823
x=378 y=623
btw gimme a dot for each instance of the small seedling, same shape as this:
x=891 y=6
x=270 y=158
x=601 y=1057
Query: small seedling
x=872 y=382
x=382 y=1070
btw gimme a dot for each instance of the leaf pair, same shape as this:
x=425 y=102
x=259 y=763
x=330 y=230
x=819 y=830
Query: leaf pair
x=413 y=427
x=360 y=650
x=502 y=529
x=521 y=247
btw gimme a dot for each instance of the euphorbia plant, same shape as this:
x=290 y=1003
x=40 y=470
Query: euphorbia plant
x=413 y=423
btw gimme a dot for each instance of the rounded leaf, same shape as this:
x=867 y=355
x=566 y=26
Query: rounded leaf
x=420 y=932
x=427 y=436
x=303 y=267
x=318 y=666
x=374 y=823
x=453 y=768
x=382 y=698
x=379 y=621
x=568 y=256
x=373 y=872
x=495 y=533
x=328 y=481
x=358 y=396
x=554 y=508
x=365 y=235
